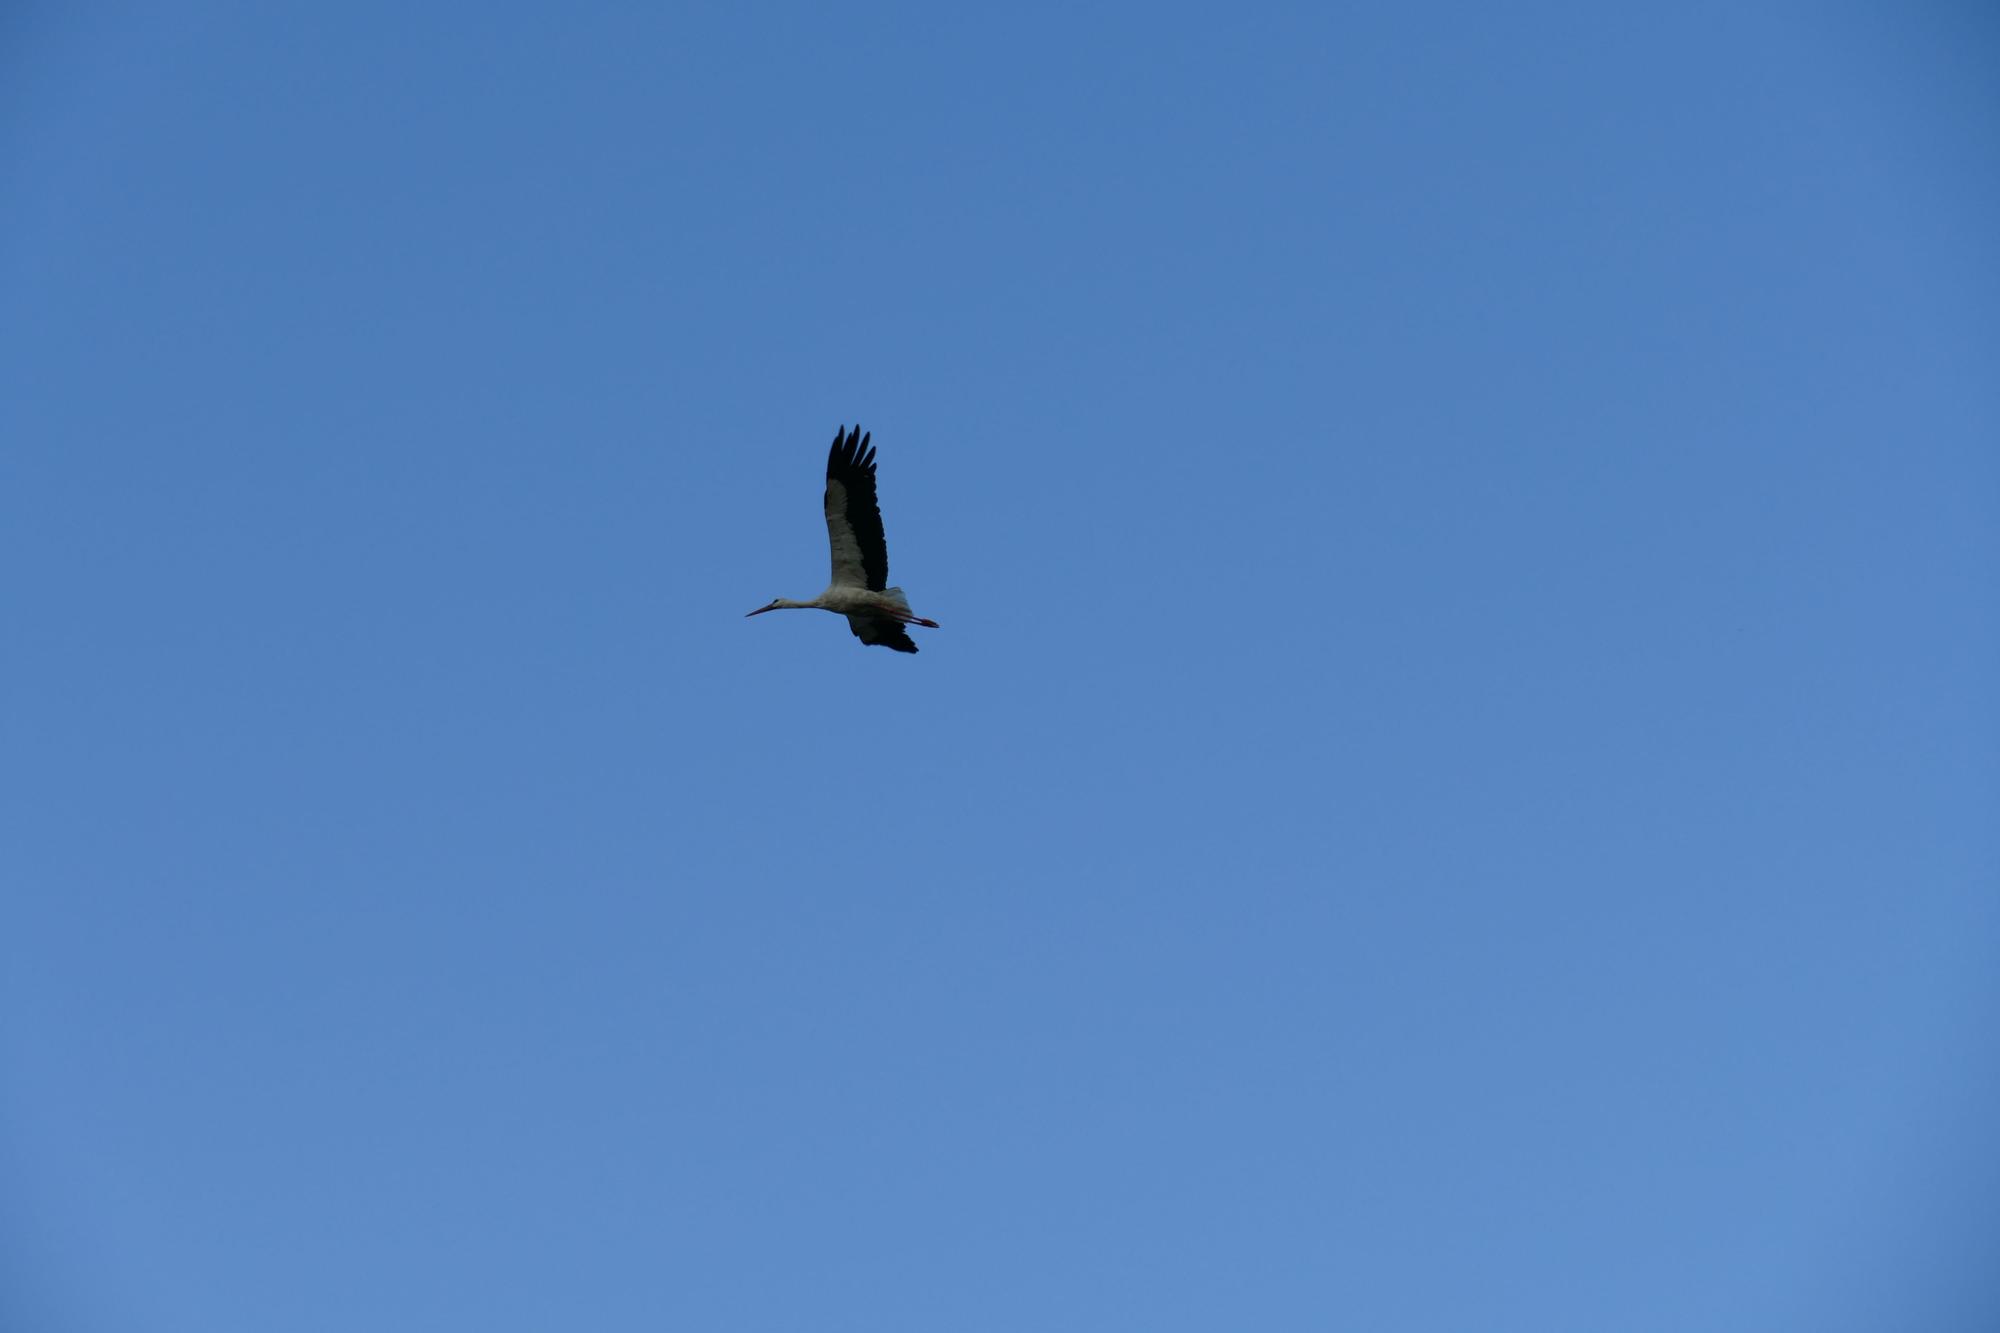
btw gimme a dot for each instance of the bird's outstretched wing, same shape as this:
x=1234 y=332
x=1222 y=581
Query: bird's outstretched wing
x=881 y=630
x=853 y=520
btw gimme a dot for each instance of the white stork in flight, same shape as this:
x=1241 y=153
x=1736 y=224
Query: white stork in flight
x=875 y=612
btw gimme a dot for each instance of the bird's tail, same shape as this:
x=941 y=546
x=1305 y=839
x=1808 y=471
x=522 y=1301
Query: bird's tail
x=903 y=612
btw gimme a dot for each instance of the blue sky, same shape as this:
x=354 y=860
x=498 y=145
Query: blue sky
x=1455 y=786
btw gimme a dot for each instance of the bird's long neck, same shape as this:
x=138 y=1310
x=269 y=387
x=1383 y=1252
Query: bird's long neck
x=787 y=604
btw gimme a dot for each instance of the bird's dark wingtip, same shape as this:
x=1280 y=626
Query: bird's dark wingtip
x=850 y=451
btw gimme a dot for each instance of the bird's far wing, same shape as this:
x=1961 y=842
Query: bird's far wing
x=853 y=521
x=880 y=629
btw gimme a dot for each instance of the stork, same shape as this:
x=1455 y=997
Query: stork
x=875 y=612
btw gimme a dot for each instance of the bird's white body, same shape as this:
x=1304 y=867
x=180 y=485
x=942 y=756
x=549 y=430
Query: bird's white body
x=875 y=613
x=847 y=600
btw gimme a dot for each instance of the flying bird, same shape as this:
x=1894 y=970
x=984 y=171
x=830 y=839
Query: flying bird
x=875 y=612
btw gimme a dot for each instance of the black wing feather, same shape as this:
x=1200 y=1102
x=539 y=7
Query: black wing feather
x=851 y=462
x=881 y=630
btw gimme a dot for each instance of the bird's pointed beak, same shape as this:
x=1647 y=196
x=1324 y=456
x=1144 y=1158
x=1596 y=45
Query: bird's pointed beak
x=758 y=612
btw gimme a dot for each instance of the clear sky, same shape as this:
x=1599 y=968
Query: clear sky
x=1456 y=789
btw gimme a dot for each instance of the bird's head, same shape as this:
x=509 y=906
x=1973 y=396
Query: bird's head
x=771 y=605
